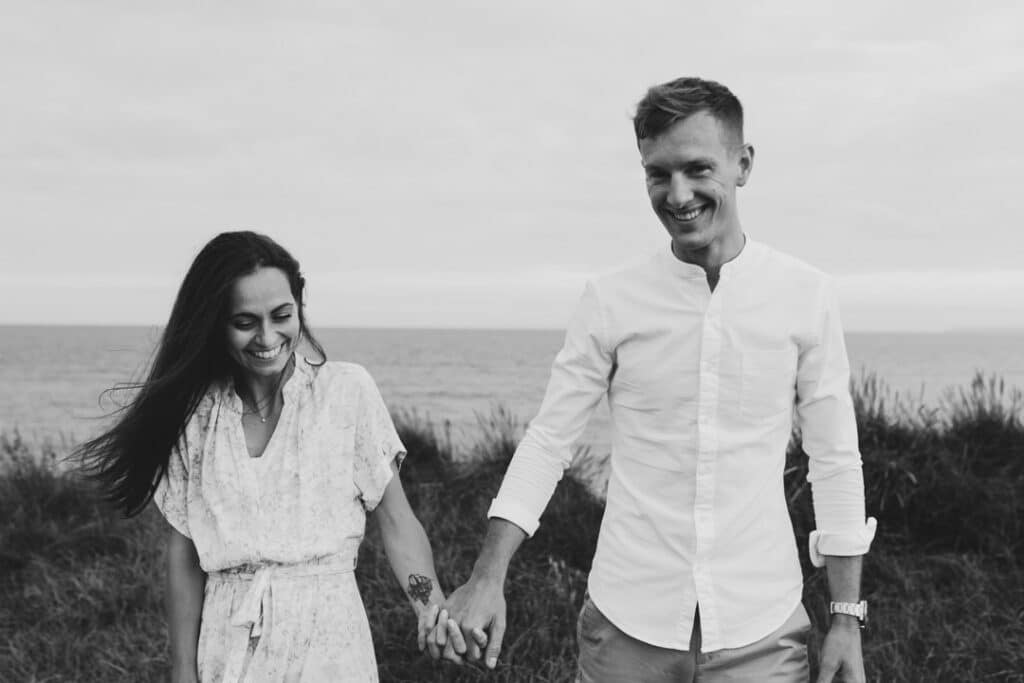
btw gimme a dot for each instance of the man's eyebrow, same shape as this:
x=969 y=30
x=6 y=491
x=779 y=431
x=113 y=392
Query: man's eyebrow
x=698 y=161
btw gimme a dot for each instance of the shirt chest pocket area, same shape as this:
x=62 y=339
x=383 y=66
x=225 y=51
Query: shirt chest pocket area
x=659 y=408
x=768 y=383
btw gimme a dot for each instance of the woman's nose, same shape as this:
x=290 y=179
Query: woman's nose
x=263 y=331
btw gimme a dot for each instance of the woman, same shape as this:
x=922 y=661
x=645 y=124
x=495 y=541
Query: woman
x=264 y=464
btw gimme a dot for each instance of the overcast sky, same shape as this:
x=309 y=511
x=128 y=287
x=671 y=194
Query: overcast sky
x=471 y=164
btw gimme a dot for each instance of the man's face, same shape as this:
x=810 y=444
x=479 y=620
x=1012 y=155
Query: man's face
x=693 y=170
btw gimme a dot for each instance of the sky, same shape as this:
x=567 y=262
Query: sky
x=459 y=164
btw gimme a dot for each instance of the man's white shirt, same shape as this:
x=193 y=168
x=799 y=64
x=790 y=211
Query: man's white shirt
x=702 y=388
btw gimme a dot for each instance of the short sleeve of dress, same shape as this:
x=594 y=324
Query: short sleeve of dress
x=172 y=489
x=376 y=444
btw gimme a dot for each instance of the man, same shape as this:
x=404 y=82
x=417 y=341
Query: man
x=703 y=352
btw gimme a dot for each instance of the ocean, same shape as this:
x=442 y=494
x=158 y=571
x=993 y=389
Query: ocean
x=51 y=377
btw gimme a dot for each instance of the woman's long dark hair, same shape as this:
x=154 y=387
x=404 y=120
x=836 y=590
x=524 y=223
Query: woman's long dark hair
x=130 y=458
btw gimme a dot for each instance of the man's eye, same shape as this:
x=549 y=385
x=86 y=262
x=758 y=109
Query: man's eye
x=700 y=170
x=655 y=176
x=282 y=317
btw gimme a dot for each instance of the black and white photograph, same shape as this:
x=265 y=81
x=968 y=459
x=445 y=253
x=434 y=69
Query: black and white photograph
x=543 y=342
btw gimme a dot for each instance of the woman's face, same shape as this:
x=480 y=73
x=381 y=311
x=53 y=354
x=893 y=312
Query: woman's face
x=263 y=322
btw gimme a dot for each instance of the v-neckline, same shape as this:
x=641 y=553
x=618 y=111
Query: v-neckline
x=240 y=427
x=270 y=439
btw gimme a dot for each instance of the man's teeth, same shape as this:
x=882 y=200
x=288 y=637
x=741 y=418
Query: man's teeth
x=267 y=355
x=689 y=215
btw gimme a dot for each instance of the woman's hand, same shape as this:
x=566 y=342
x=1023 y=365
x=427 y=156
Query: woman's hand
x=427 y=621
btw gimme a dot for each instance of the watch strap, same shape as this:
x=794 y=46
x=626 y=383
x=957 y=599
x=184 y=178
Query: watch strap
x=859 y=610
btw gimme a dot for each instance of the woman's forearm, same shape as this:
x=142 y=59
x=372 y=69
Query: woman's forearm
x=412 y=560
x=407 y=547
x=184 y=603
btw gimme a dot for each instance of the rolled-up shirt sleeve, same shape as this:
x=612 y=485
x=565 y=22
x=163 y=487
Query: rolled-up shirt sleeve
x=828 y=428
x=579 y=378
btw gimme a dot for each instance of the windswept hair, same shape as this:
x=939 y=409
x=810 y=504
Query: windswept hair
x=666 y=104
x=130 y=458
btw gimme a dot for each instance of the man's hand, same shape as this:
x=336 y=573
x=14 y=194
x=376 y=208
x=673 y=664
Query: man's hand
x=841 y=652
x=473 y=616
x=476 y=622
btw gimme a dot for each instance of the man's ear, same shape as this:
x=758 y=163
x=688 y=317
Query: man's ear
x=746 y=162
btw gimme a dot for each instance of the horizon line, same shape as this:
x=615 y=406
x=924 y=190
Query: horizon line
x=980 y=329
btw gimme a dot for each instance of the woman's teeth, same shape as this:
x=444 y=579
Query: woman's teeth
x=268 y=355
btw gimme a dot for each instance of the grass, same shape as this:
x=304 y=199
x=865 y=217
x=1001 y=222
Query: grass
x=81 y=589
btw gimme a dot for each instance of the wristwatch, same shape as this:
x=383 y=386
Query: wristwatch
x=853 y=609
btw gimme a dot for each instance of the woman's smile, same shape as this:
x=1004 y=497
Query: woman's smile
x=269 y=354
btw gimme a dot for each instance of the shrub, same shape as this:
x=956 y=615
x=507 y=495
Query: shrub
x=81 y=590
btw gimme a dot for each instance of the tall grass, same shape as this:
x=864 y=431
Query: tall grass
x=81 y=590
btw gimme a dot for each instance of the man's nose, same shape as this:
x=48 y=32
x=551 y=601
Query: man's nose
x=679 y=190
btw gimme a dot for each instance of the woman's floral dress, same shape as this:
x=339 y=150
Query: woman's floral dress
x=278 y=535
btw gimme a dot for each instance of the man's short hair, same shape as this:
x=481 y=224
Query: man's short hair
x=666 y=104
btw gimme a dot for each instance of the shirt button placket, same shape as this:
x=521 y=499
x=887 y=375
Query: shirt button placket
x=707 y=452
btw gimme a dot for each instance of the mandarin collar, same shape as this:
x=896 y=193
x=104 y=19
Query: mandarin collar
x=300 y=376
x=691 y=271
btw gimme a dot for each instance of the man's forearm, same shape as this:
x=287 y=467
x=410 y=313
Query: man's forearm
x=844 y=581
x=502 y=540
x=844 y=577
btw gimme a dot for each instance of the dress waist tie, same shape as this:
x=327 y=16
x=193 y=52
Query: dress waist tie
x=249 y=614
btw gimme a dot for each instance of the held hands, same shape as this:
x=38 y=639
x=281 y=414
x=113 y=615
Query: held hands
x=467 y=616
x=841 y=657
x=433 y=617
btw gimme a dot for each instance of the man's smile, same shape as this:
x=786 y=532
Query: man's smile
x=687 y=214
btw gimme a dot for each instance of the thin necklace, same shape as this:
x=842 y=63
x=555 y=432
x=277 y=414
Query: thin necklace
x=269 y=399
x=256 y=411
x=262 y=419
x=259 y=405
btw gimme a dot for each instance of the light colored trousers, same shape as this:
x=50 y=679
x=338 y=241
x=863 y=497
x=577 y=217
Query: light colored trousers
x=607 y=655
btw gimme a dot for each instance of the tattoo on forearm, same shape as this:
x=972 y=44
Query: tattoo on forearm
x=420 y=588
